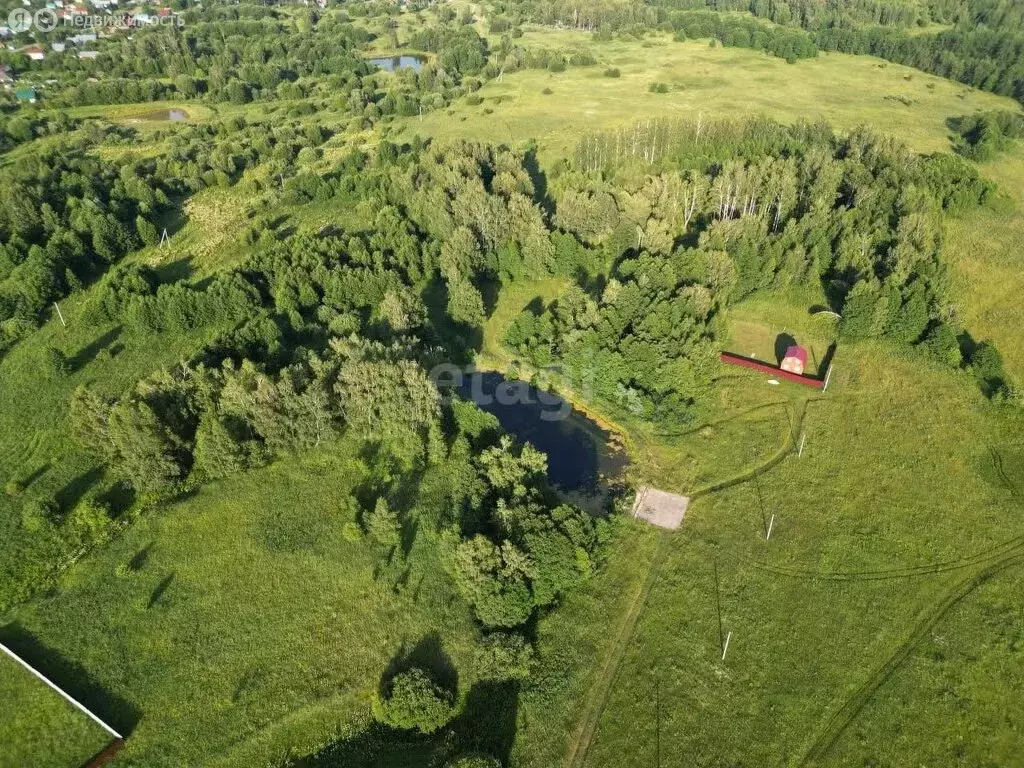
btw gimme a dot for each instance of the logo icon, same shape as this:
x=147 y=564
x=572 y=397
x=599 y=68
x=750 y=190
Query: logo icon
x=45 y=19
x=20 y=20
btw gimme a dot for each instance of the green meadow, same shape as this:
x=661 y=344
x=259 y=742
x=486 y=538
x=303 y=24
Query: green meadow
x=40 y=727
x=880 y=610
x=845 y=90
x=241 y=625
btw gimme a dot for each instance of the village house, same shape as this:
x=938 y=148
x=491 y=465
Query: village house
x=35 y=53
x=795 y=360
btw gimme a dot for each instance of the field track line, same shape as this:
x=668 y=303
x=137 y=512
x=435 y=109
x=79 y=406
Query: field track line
x=597 y=696
x=992 y=554
x=842 y=718
x=796 y=420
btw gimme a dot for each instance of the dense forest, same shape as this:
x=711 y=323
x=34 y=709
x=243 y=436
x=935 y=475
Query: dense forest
x=66 y=216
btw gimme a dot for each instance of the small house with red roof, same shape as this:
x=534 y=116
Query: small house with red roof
x=795 y=360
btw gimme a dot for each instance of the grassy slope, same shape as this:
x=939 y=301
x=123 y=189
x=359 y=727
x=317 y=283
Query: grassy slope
x=984 y=249
x=715 y=82
x=36 y=445
x=244 y=610
x=41 y=728
x=897 y=476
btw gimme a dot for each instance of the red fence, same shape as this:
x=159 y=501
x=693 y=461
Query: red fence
x=109 y=753
x=774 y=370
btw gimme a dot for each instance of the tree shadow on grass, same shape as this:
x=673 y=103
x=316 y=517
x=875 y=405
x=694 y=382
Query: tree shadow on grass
x=118 y=498
x=175 y=271
x=488 y=722
x=381 y=747
x=160 y=591
x=68 y=496
x=140 y=558
x=72 y=678
x=37 y=473
x=88 y=353
x=428 y=654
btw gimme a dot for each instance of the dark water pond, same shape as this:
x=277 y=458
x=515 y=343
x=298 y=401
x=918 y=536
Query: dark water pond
x=391 y=63
x=581 y=458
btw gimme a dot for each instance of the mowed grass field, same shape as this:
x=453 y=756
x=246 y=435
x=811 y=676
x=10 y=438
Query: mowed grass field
x=241 y=626
x=39 y=727
x=714 y=82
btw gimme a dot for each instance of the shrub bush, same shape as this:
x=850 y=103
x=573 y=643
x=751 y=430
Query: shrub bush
x=413 y=701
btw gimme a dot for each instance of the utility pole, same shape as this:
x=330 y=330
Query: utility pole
x=59 y=314
x=657 y=720
x=718 y=607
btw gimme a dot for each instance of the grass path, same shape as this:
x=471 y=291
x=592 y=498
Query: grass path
x=926 y=621
x=599 y=692
x=597 y=697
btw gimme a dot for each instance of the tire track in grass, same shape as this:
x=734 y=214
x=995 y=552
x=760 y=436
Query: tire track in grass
x=797 y=415
x=597 y=696
x=994 y=553
x=852 y=707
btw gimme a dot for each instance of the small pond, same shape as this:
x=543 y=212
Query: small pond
x=392 y=63
x=160 y=115
x=581 y=456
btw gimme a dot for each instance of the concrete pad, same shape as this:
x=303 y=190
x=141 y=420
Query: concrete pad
x=660 y=508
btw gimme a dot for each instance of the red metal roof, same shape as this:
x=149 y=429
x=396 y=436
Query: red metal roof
x=798 y=352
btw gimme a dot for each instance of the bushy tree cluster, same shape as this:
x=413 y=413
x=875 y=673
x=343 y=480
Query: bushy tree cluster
x=983 y=136
x=523 y=549
x=769 y=207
